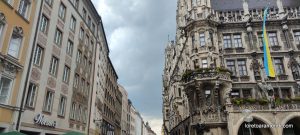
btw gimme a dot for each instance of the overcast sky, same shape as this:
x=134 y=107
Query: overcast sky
x=137 y=33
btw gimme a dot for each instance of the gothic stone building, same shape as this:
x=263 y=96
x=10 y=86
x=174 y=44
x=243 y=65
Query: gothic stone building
x=214 y=80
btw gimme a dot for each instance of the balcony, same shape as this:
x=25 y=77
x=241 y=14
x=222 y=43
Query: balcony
x=206 y=74
x=240 y=104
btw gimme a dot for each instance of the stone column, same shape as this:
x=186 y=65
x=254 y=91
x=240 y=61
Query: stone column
x=246 y=7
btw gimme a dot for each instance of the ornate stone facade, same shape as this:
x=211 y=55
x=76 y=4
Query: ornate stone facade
x=214 y=69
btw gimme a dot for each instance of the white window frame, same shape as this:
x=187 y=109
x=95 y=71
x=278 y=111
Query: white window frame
x=15 y=45
x=31 y=95
x=54 y=65
x=237 y=39
x=9 y=89
x=78 y=57
x=81 y=33
x=62 y=11
x=24 y=4
x=58 y=37
x=38 y=56
x=66 y=74
x=48 y=102
x=73 y=111
x=70 y=46
x=62 y=106
x=202 y=39
x=204 y=63
x=76 y=80
x=44 y=24
x=73 y=23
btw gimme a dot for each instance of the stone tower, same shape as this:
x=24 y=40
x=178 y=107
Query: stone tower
x=214 y=80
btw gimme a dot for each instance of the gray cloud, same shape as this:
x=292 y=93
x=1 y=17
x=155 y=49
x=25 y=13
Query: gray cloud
x=137 y=33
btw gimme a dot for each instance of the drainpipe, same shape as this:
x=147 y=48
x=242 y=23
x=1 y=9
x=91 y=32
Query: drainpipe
x=28 y=70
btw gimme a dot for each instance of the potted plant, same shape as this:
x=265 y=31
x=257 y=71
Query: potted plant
x=263 y=101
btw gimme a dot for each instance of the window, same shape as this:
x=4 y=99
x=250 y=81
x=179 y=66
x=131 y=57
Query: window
x=38 y=55
x=73 y=23
x=273 y=39
x=196 y=66
x=15 y=42
x=235 y=93
x=204 y=63
x=87 y=89
x=73 y=111
x=87 y=40
x=1 y=29
x=58 y=37
x=83 y=13
x=193 y=41
x=279 y=66
x=231 y=66
x=202 y=39
x=48 y=101
x=81 y=33
x=92 y=46
x=5 y=89
x=227 y=41
x=89 y=23
x=78 y=57
x=82 y=84
x=242 y=67
x=76 y=81
x=285 y=93
x=31 y=95
x=79 y=113
x=70 y=47
x=90 y=67
x=8 y=1
x=297 y=35
x=93 y=28
x=44 y=24
x=62 y=106
x=260 y=39
x=85 y=61
x=62 y=11
x=247 y=93
x=49 y=2
x=66 y=74
x=84 y=115
x=295 y=71
x=75 y=3
x=237 y=39
x=23 y=7
x=53 y=66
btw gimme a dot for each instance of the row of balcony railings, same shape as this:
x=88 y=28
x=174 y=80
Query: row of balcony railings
x=238 y=15
x=263 y=104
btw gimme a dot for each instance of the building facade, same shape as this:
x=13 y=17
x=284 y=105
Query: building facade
x=214 y=79
x=58 y=93
x=17 y=29
x=109 y=110
x=125 y=123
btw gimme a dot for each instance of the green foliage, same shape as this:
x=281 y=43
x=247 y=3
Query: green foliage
x=263 y=101
x=286 y=100
x=296 y=99
x=278 y=101
x=250 y=100
x=189 y=73
x=238 y=101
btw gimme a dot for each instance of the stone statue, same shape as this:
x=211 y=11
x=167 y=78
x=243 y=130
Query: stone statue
x=265 y=89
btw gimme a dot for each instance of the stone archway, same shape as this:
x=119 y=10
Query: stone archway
x=244 y=128
x=292 y=126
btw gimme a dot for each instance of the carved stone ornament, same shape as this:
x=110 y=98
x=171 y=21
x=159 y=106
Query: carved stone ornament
x=18 y=31
x=8 y=68
x=2 y=18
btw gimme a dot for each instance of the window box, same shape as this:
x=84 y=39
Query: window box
x=283 y=77
x=228 y=50
x=276 y=48
x=240 y=49
x=245 y=78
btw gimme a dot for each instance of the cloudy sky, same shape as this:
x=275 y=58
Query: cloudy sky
x=137 y=32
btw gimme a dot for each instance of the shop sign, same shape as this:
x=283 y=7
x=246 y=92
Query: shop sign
x=42 y=121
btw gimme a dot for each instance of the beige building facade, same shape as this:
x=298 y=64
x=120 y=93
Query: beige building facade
x=58 y=93
x=214 y=79
x=17 y=29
